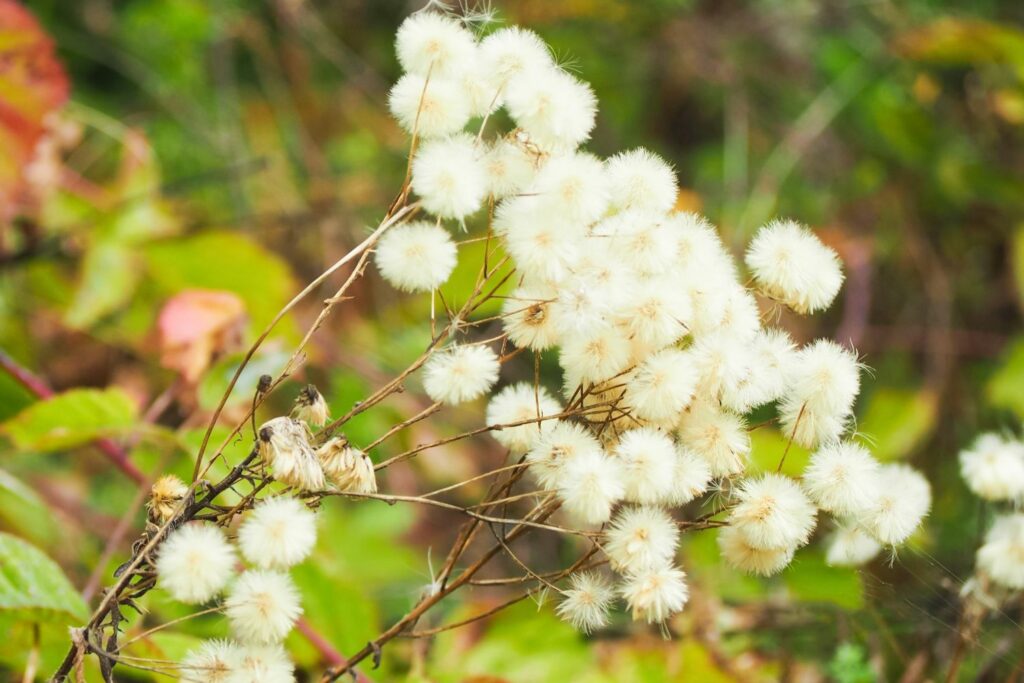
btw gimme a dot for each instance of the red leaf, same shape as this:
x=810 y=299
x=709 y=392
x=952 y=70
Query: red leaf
x=32 y=85
x=197 y=325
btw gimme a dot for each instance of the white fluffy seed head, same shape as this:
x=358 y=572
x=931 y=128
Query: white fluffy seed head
x=262 y=607
x=562 y=443
x=279 y=533
x=284 y=447
x=904 y=498
x=719 y=437
x=195 y=563
x=851 y=546
x=656 y=593
x=434 y=44
x=573 y=185
x=215 y=661
x=543 y=244
x=739 y=554
x=417 y=257
x=648 y=458
x=662 y=386
x=589 y=485
x=641 y=538
x=593 y=358
x=824 y=382
x=429 y=109
x=450 y=176
x=530 y=318
x=773 y=513
x=791 y=264
x=642 y=240
x=1001 y=557
x=510 y=168
x=842 y=478
x=993 y=468
x=640 y=179
x=769 y=361
x=655 y=316
x=555 y=109
x=264 y=664
x=587 y=601
x=724 y=363
x=460 y=373
x=690 y=478
x=516 y=403
x=513 y=53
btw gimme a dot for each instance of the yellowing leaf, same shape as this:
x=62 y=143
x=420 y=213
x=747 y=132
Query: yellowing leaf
x=1006 y=388
x=897 y=421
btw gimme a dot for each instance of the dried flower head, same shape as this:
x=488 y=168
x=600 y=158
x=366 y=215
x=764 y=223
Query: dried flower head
x=285 y=448
x=165 y=498
x=311 y=407
x=347 y=467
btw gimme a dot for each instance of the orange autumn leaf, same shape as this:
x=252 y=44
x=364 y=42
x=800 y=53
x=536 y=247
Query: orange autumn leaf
x=196 y=326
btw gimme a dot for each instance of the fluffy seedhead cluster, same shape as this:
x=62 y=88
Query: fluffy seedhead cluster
x=243 y=566
x=993 y=468
x=663 y=348
x=198 y=564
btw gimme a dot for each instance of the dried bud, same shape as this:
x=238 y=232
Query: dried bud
x=311 y=407
x=284 y=446
x=167 y=493
x=347 y=467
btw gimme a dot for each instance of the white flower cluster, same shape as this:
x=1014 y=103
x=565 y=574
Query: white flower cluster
x=993 y=468
x=197 y=564
x=662 y=348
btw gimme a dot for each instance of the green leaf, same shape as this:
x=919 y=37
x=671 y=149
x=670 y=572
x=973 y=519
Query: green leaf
x=897 y=421
x=1017 y=253
x=24 y=511
x=767 y=446
x=108 y=278
x=521 y=644
x=809 y=579
x=33 y=587
x=71 y=419
x=1006 y=387
x=229 y=261
x=348 y=620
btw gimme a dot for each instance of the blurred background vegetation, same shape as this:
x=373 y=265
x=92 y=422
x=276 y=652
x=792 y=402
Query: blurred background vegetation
x=243 y=146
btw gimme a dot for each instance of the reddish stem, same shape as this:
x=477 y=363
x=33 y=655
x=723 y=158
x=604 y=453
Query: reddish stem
x=39 y=388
